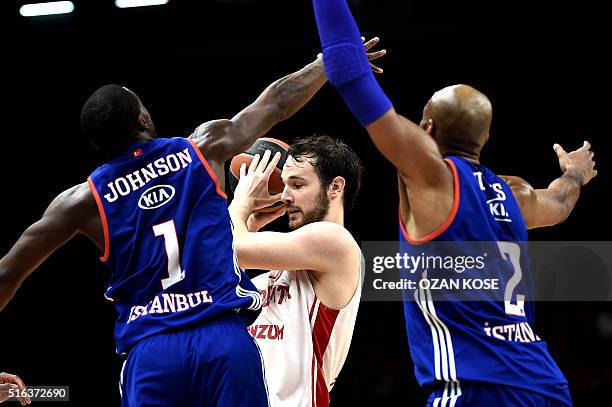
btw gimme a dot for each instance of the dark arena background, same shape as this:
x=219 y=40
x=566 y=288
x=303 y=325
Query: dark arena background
x=543 y=64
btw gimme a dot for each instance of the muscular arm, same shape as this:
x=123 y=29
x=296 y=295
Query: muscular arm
x=411 y=150
x=325 y=250
x=220 y=140
x=545 y=207
x=69 y=214
x=318 y=247
x=551 y=206
x=408 y=147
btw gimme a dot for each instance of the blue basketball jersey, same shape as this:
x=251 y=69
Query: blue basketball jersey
x=486 y=340
x=168 y=242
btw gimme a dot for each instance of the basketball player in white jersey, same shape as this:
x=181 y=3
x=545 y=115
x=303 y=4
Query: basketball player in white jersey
x=312 y=291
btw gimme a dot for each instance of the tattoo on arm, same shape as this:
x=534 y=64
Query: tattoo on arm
x=220 y=140
x=293 y=91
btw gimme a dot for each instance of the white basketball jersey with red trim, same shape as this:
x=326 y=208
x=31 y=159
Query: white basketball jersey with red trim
x=304 y=343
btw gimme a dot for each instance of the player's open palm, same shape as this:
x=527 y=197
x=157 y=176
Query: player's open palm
x=10 y=385
x=579 y=162
x=252 y=189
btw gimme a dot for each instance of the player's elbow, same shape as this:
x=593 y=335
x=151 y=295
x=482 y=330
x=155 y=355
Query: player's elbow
x=548 y=217
x=564 y=213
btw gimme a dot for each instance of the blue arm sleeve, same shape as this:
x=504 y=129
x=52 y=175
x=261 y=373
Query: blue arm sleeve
x=346 y=61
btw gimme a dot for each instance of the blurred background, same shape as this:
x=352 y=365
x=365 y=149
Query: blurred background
x=543 y=65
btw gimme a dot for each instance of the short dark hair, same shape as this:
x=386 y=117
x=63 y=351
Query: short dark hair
x=110 y=118
x=331 y=158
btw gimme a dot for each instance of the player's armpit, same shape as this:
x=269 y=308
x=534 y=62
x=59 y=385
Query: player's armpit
x=410 y=149
x=60 y=222
x=539 y=207
x=319 y=246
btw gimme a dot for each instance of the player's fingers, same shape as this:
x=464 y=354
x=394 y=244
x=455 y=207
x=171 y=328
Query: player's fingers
x=370 y=43
x=559 y=150
x=266 y=217
x=265 y=202
x=263 y=164
x=276 y=214
x=7 y=390
x=254 y=163
x=6 y=387
x=273 y=164
x=376 y=69
x=585 y=147
x=377 y=54
x=14 y=379
x=278 y=211
x=17 y=380
x=276 y=197
x=242 y=170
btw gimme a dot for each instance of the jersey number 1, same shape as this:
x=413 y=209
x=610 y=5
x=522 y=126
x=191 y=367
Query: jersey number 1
x=175 y=273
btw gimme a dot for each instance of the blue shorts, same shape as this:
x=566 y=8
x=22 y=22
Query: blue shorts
x=214 y=364
x=487 y=395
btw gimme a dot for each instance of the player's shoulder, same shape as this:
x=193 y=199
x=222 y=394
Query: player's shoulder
x=324 y=226
x=204 y=135
x=522 y=190
x=76 y=199
x=329 y=234
x=73 y=204
x=75 y=196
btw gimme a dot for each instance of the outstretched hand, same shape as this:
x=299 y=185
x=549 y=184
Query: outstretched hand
x=578 y=163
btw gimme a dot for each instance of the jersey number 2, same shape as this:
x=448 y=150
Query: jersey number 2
x=512 y=251
x=175 y=273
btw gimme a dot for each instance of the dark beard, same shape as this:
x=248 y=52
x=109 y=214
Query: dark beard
x=316 y=214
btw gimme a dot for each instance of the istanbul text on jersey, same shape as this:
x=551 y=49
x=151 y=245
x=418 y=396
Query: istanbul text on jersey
x=165 y=303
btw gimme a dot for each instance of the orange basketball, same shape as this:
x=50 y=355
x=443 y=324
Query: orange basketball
x=275 y=185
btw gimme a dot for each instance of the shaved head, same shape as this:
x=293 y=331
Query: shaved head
x=458 y=117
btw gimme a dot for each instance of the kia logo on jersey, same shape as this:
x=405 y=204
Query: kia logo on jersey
x=156 y=196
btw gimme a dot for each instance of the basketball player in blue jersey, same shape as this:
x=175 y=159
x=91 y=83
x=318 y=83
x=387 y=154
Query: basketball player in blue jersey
x=470 y=353
x=158 y=213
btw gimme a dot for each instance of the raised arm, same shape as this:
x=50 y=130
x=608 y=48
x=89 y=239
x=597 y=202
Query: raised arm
x=405 y=144
x=68 y=214
x=220 y=140
x=551 y=206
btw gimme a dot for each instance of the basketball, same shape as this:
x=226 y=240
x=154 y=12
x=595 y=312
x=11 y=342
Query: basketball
x=275 y=185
